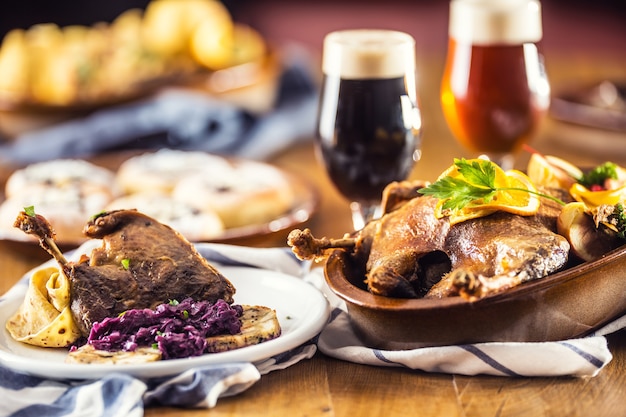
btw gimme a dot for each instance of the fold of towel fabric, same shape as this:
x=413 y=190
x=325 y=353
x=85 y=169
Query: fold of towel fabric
x=185 y=120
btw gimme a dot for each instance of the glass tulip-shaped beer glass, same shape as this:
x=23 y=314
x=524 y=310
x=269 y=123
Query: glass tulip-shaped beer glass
x=369 y=123
x=494 y=90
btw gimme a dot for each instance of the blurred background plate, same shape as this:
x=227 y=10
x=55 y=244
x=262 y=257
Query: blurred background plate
x=305 y=203
x=600 y=105
x=252 y=85
x=56 y=71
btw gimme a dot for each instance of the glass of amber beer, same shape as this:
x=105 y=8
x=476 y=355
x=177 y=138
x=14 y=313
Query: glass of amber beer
x=494 y=90
x=369 y=123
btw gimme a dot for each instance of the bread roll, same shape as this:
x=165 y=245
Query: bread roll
x=60 y=173
x=195 y=224
x=161 y=170
x=246 y=194
x=67 y=208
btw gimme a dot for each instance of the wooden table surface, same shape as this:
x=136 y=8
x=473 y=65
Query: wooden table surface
x=324 y=386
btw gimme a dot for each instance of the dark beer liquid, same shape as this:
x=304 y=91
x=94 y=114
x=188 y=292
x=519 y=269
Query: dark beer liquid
x=365 y=135
x=490 y=105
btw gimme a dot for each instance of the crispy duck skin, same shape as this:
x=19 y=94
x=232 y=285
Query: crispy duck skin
x=142 y=263
x=498 y=252
x=411 y=253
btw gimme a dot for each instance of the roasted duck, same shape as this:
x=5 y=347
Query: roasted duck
x=410 y=252
x=141 y=264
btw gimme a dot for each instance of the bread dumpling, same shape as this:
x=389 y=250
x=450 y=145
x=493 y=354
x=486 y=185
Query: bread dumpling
x=44 y=318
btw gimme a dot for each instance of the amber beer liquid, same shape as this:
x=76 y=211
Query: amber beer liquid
x=494 y=90
x=368 y=126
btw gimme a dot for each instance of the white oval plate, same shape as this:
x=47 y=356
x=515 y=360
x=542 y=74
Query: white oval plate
x=301 y=308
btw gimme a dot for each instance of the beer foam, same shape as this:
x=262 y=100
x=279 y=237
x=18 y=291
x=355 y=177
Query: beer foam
x=365 y=53
x=485 y=22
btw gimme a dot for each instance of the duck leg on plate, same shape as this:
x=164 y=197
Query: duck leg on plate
x=409 y=252
x=142 y=263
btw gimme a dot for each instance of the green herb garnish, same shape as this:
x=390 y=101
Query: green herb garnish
x=185 y=314
x=30 y=211
x=476 y=184
x=174 y=302
x=125 y=263
x=599 y=175
x=98 y=214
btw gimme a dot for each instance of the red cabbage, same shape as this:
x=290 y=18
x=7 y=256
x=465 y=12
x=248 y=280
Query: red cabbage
x=179 y=330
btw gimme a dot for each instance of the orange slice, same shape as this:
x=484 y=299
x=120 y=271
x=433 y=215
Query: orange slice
x=550 y=171
x=518 y=196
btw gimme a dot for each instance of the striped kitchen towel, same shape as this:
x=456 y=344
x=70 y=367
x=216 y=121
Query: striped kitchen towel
x=577 y=357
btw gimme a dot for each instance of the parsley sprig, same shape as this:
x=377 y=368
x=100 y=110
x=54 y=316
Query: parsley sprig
x=599 y=175
x=475 y=184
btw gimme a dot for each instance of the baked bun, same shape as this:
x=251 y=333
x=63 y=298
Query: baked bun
x=66 y=191
x=59 y=173
x=245 y=194
x=193 y=223
x=67 y=209
x=161 y=170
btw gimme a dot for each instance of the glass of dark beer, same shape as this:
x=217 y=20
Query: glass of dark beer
x=495 y=91
x=369 y=123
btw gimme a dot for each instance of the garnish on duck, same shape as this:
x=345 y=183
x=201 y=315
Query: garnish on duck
x=594 y=223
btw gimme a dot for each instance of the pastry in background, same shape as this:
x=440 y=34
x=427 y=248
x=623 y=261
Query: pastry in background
x=67 y=191
x=248 y=193
x=161 y=170
x=60 y=173
x=195 y=224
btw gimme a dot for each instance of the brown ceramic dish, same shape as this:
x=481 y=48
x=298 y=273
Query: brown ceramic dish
x=565 y=305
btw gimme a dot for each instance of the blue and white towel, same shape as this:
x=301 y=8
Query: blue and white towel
x=576 y=357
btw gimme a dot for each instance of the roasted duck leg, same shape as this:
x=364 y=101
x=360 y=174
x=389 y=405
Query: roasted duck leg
x=409 y=252
x=141 y=263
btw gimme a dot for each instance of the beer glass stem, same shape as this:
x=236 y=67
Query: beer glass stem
x=362 y=213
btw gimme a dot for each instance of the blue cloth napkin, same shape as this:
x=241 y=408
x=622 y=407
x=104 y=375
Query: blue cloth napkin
x=186 y=120
x=121 y=395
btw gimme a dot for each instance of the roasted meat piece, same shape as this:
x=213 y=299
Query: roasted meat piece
x=142 y=263
x=409 y=252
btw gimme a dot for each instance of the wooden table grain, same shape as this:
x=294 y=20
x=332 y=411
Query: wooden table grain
x=323 y=386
